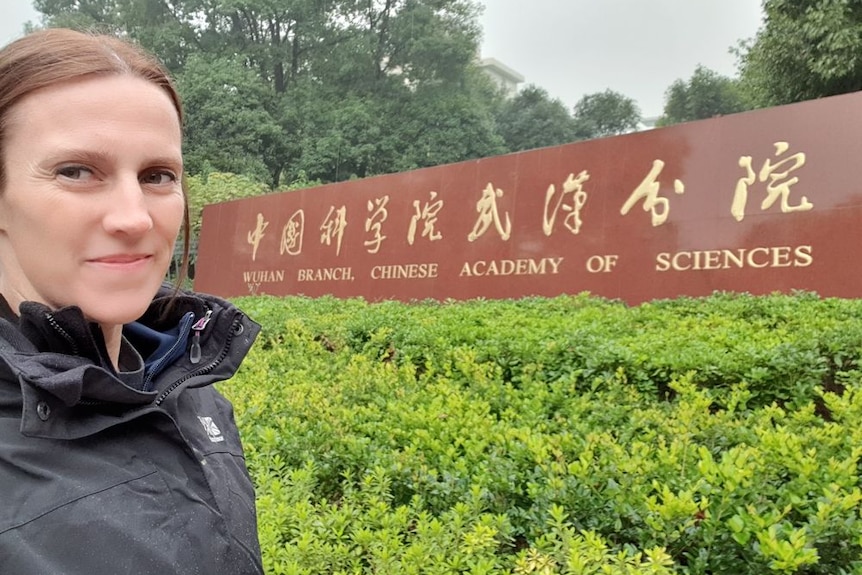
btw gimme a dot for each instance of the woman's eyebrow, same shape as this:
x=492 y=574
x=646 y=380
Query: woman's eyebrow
x=101 y=156
x=71 y=154
x=167 y=161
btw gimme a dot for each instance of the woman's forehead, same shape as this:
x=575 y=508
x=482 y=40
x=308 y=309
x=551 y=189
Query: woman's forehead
x=96 y=100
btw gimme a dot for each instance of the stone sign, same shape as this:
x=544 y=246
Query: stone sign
x=769 y=200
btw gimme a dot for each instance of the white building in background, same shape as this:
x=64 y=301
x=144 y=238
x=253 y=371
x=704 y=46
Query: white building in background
x=648 y=123
x=506 y=78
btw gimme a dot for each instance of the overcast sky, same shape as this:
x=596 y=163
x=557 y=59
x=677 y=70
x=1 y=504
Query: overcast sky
x=635 y=47
x=13 y=14
x=576 y=47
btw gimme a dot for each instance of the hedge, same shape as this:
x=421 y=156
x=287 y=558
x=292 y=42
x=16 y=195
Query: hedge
x=570 y=435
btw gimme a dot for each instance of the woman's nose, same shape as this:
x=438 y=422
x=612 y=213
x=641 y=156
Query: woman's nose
x=127 y=211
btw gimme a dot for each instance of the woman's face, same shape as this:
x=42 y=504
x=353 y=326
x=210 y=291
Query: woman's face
x=93 y=201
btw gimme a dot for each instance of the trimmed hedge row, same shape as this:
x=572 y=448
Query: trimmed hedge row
x=564 y=435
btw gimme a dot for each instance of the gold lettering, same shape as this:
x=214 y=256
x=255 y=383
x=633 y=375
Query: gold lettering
x=291 y=234
x=781 y=257
x=676 y=264
x=427 y=214
x=804 y=257
x=778 y=187
x=713 y=260
x=662 y=262
x=404 y=271
x=740 y=194
x=263 y=276
x=324 y=274
x=374 y=223
x=573 y=190
x=488 y=214
x=756 y=258
x=696 y=256
x=333 y=227
x=648 y=190
x=601 y=263
x=256 y=235
x=750 y=259
x=507 y=267
x=737 y=258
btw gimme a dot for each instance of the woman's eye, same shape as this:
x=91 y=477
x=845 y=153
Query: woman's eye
x=159 y=177
x=74 y=172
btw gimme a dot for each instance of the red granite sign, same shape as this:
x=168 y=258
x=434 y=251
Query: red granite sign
x=764 y=201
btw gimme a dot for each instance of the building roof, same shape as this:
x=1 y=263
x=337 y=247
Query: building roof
x=501 y=69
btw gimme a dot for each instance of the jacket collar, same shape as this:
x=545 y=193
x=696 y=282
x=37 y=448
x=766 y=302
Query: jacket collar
x=60 y=360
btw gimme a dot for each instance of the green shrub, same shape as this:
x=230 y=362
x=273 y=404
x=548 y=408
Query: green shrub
x=569 y=435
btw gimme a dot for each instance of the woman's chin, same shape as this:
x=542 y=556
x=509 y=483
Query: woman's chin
x=116 y=313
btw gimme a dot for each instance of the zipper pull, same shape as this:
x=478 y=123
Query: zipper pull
x=197 y=328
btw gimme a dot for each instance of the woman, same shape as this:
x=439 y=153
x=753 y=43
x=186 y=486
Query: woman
x=117 y=455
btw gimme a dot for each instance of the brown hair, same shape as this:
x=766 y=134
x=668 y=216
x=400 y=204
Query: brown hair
x=52 y=56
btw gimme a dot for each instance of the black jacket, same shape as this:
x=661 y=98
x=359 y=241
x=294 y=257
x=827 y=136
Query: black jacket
x=113 y=473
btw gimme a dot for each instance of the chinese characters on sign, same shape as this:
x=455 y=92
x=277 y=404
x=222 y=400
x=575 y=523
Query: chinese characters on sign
x=333 y=226
x=291 y=234
x=488 y=214
x=427 y=215
x=568 y=202
x=256 y=235
x=779 y=185
x=648 y=190
x=374 y=223
x=574 y=193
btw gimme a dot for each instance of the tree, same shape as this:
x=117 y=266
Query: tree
x=334 y=88
x=531 y=119
x=164 y=28
x=705 y=95
x=395 y=128
x=399 y=92
x=605 y=113
x=805 y=49
x=230 y=126
x=341 y=142
x=443 y=124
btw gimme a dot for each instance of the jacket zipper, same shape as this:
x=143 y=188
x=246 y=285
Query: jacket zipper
x=65 y=335
x=198 y=327
x=154 y=369
x=207 y=368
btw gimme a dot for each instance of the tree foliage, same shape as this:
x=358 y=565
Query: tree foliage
x=165 y=28
x=607 y=113
x=233 y=120
x=333 y=89
x=805 y=49
x=705 y=95
x=532 y=119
